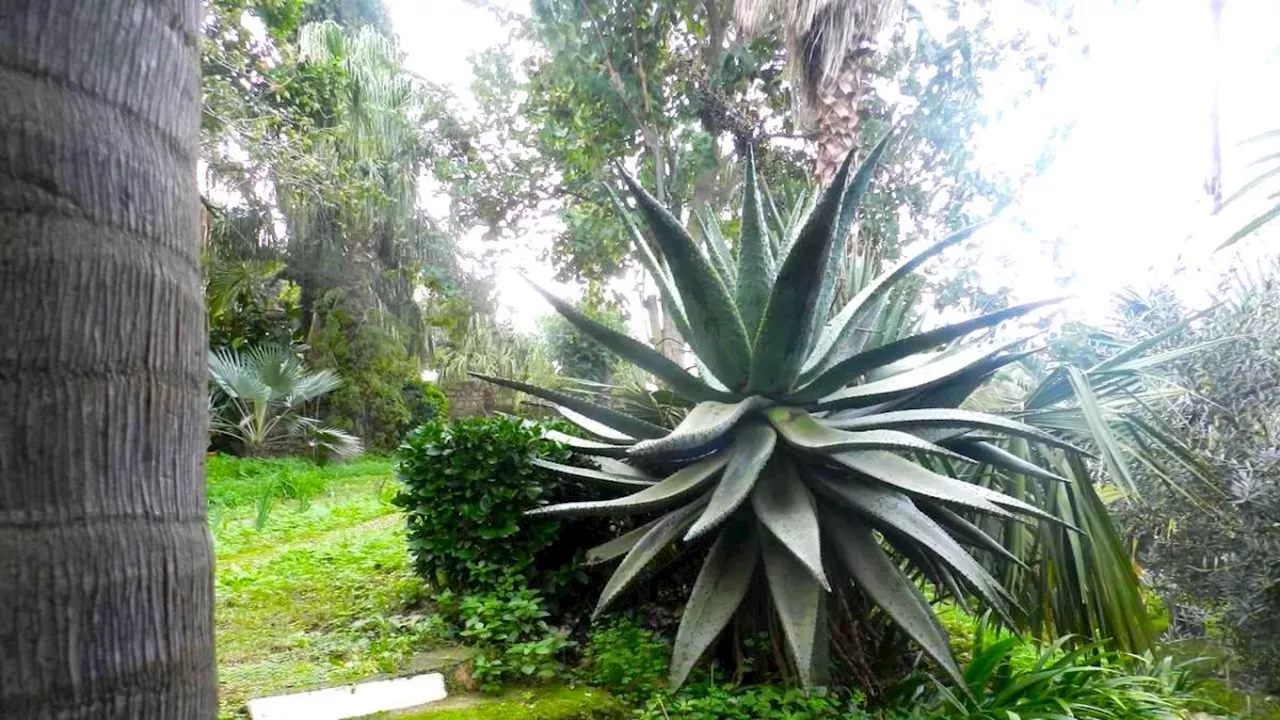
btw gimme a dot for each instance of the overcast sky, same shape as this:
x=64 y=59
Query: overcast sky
x=1124 y=199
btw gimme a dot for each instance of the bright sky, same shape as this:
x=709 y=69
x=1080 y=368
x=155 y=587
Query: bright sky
x=1123 y=203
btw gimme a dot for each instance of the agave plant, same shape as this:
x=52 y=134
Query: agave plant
x=258 y=400
x=816 y=449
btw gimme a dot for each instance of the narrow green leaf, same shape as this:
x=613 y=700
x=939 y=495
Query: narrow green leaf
x=721 y=340
x=755 y=271
x=706 y=423
x=777 y=229
x=798 y=599
x=884 y=582
x=1145 y=363
x=601 y=478
x=848 y=370
x=1251 y=226
x=1100 y=431
x=971 y=534
x=998 y=457
x=659 y=535
x=620 y=422
x=717 y=593
x=751 y=449
x=677 y=486
x=838 y=326
x=784 y=506
x=600 y=430
x=635 y=352
x=785 y=332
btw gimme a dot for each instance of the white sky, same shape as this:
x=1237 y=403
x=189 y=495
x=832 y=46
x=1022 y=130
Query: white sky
x=1124 y=201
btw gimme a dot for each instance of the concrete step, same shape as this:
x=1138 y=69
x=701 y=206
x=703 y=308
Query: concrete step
x=352 y=701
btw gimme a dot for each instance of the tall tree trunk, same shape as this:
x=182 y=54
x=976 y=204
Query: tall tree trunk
x=106 y=589
x=836 y=118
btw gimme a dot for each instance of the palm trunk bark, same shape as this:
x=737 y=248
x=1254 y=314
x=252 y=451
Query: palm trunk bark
x=106 y=589
x=837 y=118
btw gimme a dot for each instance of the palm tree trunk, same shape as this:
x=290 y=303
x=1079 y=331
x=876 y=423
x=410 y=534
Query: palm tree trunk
x=106 y=589
x=836 y=118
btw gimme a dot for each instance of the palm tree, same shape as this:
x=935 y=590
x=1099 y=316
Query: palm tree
x=106 y=583
x=259 y=398
x=827 y=41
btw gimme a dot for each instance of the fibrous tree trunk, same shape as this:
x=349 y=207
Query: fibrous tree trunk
x=106 y=589
x=836 y=117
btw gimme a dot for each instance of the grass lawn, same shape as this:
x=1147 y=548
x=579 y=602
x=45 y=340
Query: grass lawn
x=314 y=585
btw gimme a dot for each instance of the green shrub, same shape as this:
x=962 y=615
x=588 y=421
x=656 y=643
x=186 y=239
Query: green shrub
x=626 y=659
x=510 y=631
x=708 y=701
x=426 y=403
x=466 y=486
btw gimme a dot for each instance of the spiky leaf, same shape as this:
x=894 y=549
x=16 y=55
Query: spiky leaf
x=702 y=428
x=721 y=585
x=787 y=510
x=798 y=598
x=620 y=422
x=720 y=340
x=680 y=484
x=752 y=447
x=785 y=331
x=755 y=263
x=658 y=536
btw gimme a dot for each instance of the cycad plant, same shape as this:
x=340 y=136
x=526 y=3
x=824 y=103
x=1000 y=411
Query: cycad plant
x=819 y=452
x=258 y=401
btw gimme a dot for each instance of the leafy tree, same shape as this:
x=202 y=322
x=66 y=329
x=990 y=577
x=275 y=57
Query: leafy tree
x=108 y=589
x=579 y=356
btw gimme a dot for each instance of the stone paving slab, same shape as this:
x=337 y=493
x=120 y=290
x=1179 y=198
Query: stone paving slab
x=351 y=701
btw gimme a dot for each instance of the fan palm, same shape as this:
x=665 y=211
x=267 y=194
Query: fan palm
x=258 y=400
x=817 y=450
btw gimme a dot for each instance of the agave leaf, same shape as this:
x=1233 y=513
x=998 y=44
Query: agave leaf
x=587 y=447
x=635 y=352
x=848 y=370
x=598 y=429
x=958 y=388
x=721 y=340
x=798 y=598
x=839 y=325
x=948 y=418
x=971 y=534
x=777 y=229
x=998 y=457
x=800 y=429
x=717 y=251
x=677 y=486
x=751 y=449
x=619 y=422
x=897 y=512
x=755 y=264
x=621 y=545
x=658 y=536
x=850 y=202
x=706 y=423
x=784 y=506
x=786 y=329
x=1143 y=363
x=906 y=475
x=912 y=381
x=717 y=593
x=603 y=478
x=884 y=582
x=617 y=467
x=671 y=301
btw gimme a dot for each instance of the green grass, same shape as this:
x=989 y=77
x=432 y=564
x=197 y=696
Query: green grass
x=322 y=593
